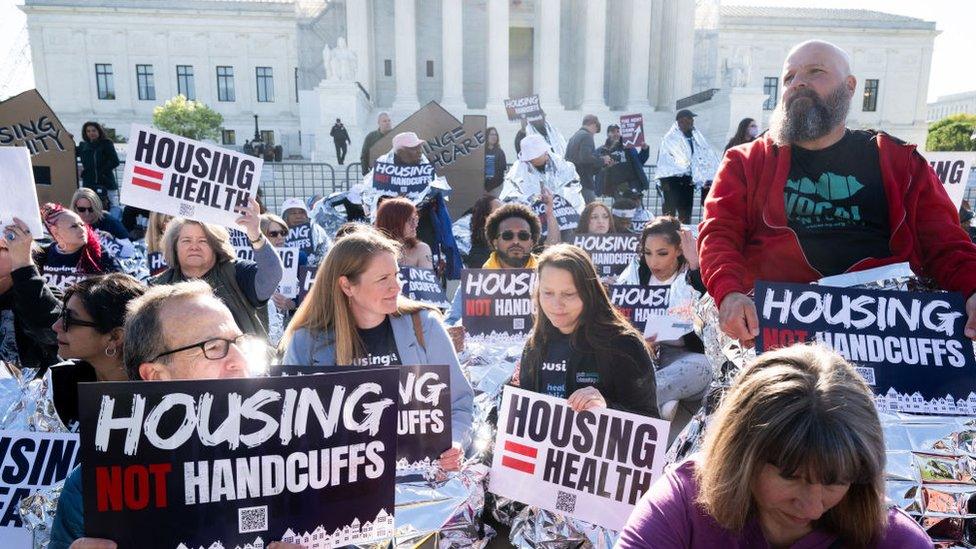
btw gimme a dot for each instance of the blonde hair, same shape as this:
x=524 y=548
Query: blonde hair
x=806 y=411
x=268 y=218
x=327 y=307
x=155 y=230
x=217 y=237
x=88 y=194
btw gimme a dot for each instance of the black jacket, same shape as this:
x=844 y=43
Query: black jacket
x=624 y=372
x=339 y=134
x=35 y=309
x=500 y=164
x=98 y=161
x=581 y=151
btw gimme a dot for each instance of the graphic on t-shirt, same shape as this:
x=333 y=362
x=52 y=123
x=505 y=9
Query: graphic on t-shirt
x=8 y=338
x=552 y=378
x=386 y=359
x=826 y=203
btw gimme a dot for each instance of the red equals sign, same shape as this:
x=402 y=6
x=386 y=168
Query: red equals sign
x=149 y=179
x=518 y=462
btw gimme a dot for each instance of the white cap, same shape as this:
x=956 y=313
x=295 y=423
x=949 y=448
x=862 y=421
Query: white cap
x=291 y=203
x=406 y=140
x=533 y=146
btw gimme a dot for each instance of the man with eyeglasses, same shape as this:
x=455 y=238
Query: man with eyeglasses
x=176 y=332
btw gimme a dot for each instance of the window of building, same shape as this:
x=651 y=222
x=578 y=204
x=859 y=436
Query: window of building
x=184 y=81
x=430 y=69
x=225 y=84
x=104 y=81
x=265 y=84
x=870 y=95
x=771 y=90
x=268 y=137
x=387 y=67
x=228 y=137
x=145 y=83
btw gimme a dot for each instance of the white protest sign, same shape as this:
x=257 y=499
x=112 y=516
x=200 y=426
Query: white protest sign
x=288 y=286
x=241 y=244
x=667 y=327
x=19 y=193
x=170 y=174
x=953 y=170
x=593 y=466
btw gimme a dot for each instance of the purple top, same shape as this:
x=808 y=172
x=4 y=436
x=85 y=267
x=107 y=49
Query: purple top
x=668 y=517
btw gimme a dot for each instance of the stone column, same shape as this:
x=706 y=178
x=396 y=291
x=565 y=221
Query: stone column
x=593 y=60
x=359 y=35
x=546 y=70
x=684 y=54
x=654 y=54
x=452 y=47
x=497 y=53
x=666 y=60
x=640 y=47
x=405 y=40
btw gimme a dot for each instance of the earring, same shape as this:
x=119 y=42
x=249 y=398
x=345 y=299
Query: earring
x=111 y=354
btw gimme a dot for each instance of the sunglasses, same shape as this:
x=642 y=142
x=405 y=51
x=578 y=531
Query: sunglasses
x=68 y=320
x=524 y=236
x=276 y=234
x=81 y=210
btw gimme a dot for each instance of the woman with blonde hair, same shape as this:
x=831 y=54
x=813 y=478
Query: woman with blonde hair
x=155 y=231
x=89 y=207
x=355 y=315
x=794 y=457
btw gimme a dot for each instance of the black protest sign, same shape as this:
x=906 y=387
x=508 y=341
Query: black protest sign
x=306 y=277
x=240 y=461
x=566 y=215
x=632 y=130
x=640 y=304
x=610 y=253
x=909 y=346
x=300 y=236
x=423 y=285
x=526 y=107
x=181 y=177
x=30 y=461
x=110 y=244
x=157 y=263
x=497 y=303
x=410 y=182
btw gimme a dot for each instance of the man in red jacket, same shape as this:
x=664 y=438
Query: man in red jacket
x=812 y=198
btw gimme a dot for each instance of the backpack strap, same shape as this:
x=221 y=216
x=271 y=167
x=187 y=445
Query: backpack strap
x=418 y=330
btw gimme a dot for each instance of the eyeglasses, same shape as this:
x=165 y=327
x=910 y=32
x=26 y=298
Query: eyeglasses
x=68 y=320
x=524 y=236
x=276 y=234
x=214 y=349
x=82 y=210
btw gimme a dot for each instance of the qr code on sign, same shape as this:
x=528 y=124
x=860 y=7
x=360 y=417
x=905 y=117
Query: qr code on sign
x=252 y=519
x=518 y=324
x=186 y=210
x=565 y=502
x=867 y=374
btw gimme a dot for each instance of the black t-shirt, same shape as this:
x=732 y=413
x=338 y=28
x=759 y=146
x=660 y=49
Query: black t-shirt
x=553 y=372
x=835 y=202
x=381 y=349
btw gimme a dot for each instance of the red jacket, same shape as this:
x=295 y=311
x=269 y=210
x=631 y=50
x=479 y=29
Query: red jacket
x=744 y=235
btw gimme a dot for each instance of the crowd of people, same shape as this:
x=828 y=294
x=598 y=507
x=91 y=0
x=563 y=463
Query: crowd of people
x=794 y=456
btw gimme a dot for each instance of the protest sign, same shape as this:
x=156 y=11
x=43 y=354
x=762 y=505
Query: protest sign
x=19 y=192
x=26 y=120
x=411 y=182
x=119 y=249
x=423 y=285
x=566 y=215
x=640 y=304
x=241 y=461
x=157 y=263
x=908 y=346
x=61 y=277
x=181 y=177
x=288 y=286
x=632 y=130
x=30 y=461
x=306 y=277
x=593 y=466
x=241 y=244
x=300 y=236
x=526 y=107
x=953 y=170
x=497 y=303
x=610 y=253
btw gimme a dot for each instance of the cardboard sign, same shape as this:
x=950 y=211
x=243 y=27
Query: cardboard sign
x=593 y=466
x=288 y=286
x=411 y=182
x=26 y=120
x=300 y=236
x=526 y=107
x=909 y=346
x=424 y=286
x=632 y=130
x=610 y=253
x=241 y=461
x=181 y=177
x=497 y=303
x=157 y=263
x=19 y=192
x=306 y=277
x=953 y=170
x=30 y=461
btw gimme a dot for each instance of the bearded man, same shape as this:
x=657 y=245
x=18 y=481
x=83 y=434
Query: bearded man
x=812 y=198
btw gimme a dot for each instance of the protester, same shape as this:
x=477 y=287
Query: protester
x=195 y=250
x=624 y=214
x=275 y=230
x=624 y=176
x=295 y=213
x=581 y=151
x=685 y=161
x=495 y=162
x=581 y=348
x=28 y=307
x=155 y=231
x=794 y=457
x=355 y=315
x=668 y=257
x=876 y=200
x=398 y=219
x=480 y=249
x=340 y=137
x=76 y=251
x=98 y=161
x=595 y=219
x=384 y=125
x=746 y=132
x=89 y=207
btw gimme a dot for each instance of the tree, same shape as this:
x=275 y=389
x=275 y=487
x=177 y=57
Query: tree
x=952 y=133
x=190 y=119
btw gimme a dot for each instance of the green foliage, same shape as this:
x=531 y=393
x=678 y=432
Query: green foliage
x=952 y=133
x=190 y=119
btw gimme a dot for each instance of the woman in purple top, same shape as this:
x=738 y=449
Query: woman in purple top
x=794 y=457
